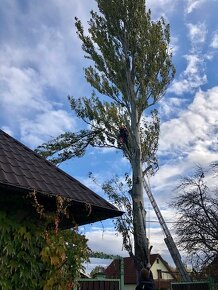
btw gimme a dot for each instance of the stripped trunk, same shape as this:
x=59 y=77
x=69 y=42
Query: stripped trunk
x=140 y=239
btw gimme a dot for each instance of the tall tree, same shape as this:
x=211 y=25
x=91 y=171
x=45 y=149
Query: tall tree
x=197 y=206
x=132 y=70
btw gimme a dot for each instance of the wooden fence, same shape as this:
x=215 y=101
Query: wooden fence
x=95 y=284
x=200 y=285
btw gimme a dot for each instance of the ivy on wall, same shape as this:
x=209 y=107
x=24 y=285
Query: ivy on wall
x=33 y=256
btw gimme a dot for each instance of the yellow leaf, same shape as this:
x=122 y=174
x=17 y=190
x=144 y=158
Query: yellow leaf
x=54 y=260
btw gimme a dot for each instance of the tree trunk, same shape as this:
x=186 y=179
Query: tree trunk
x=139 y=225
x=140 y=239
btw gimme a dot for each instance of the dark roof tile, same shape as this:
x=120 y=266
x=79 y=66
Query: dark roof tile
x=23 y=168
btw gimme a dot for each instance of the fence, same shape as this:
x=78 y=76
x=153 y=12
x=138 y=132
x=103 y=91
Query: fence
x=95 y=284
x=200 y=285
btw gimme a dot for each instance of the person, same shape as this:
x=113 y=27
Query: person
x=123 y=136
x=148 y=267
x=146 y=280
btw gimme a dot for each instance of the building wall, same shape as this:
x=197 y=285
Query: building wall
x=158 y=266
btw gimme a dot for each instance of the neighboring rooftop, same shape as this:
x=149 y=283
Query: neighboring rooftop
x=113 y=270
x=23 y=170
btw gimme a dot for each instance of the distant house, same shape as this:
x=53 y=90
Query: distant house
x=162 y=273
x=22 y=171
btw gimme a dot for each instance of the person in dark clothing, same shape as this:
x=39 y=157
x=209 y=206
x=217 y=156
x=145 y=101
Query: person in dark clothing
x=148 y=267
x=123 y=136
x=146 y=282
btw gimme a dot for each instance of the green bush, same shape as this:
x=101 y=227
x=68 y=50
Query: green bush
x=32 y=257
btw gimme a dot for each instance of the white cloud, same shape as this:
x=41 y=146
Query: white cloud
x=45 y=126
x=193 y=77
x=21 y=89
x=23 y=97
x=193 y=63
x=197 y=123
x=101 y=240
x=214 y=42
x=39 y=67
x=194 y=4
x=180 y=86
x=7 y=130
x=197 y=33
x=165 y=181
x=170 y=106
x=174 y=43
x=187 y=140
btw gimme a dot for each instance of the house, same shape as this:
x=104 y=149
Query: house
x=162 y=273
x=22 y=171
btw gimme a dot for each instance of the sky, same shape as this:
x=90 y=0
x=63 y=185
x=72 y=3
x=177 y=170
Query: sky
x=41 y=63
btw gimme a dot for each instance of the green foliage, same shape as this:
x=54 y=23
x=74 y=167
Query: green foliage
x=33 y=257
x=132 y=66
x=131 y=49
x=101 y=255
x=20 y=263
x=97 y=269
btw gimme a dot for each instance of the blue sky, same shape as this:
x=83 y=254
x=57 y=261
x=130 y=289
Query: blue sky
x=41 y=63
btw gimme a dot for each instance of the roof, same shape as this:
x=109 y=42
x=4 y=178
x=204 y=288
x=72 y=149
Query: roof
x=113 y=270
x=23 y=170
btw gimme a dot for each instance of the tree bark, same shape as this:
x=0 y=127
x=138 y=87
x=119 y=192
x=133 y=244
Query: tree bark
x=139 y=225
x=140 y=239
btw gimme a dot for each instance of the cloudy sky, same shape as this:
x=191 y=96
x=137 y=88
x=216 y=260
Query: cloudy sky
x=41 y=63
